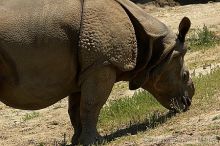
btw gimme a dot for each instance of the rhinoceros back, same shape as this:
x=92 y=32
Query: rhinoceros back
x=107 y=36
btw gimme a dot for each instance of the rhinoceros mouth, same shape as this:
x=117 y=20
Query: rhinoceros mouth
x=181 y=104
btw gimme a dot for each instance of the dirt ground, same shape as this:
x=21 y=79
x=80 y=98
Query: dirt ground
x=194 y=130
x=52 y=124
x=164 y=3
x=199 y=130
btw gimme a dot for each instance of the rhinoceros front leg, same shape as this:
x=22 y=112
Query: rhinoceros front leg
x=74 y=113
x=95 y=90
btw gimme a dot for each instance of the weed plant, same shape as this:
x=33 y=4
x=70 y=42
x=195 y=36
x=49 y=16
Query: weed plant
x=30 y=116
x=201 y=39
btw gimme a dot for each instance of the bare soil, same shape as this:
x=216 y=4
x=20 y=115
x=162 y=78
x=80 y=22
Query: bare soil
x=164 y=3
x=201 y=130
x=49 y=126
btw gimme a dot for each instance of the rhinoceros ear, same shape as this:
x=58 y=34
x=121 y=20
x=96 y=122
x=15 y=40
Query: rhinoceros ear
x=152 y=27
x=184 y=28
x=146 y=28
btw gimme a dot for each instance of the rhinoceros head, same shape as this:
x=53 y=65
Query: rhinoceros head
x=160 y=65
x=169 y=80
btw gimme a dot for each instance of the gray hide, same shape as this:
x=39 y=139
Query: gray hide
x=38 y=49
x=149 y=29
x=107 y=36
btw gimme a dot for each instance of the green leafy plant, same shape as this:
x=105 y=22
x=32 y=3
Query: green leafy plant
x=30 y=116
x=202 y=39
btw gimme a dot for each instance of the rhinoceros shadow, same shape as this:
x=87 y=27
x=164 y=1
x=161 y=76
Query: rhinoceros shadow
x=180 y=2
x=152 y=122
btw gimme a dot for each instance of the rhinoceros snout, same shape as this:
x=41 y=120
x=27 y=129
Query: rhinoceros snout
x=186 y=103
x=191 y=90
x=187 y=98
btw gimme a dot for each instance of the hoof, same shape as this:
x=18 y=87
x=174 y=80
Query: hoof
x=95 y=139
x=75 y=140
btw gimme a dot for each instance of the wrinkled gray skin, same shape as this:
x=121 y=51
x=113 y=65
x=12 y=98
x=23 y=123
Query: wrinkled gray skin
x=50 y=49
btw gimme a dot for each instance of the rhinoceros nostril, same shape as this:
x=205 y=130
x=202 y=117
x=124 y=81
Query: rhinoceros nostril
x=186 y=102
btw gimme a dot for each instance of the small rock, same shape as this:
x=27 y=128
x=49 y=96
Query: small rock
x=129 y=143
x=218 y=137
x=54 y=123
x=190 y=133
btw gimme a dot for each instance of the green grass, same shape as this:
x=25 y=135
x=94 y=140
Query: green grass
x=201 y=39
x=129 y=110
x=143 y=107
x=41 y=144
x=144 y=110
x=30 y=116
x=206 y=87
x=216 y=118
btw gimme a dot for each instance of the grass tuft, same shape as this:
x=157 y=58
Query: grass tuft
x=201 y=39
x=207 y=86
x=129 y=110
x=216 y=118
x=30 y=116
x=41 y=144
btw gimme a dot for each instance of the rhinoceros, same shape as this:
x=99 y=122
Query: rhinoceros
x=51 y=49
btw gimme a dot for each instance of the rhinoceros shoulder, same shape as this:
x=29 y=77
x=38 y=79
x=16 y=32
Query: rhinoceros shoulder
x=107 y=35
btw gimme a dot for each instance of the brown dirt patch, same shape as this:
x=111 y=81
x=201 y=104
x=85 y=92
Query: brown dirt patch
x=164 y=3
x=197 y=130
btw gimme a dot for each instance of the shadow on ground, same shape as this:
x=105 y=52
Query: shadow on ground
x=150 y=123
x=163 y=3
